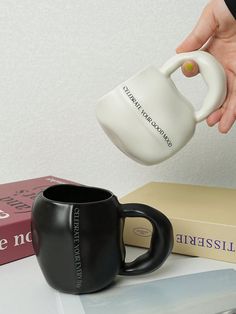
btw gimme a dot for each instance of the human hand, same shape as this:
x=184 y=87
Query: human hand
x=215 y=32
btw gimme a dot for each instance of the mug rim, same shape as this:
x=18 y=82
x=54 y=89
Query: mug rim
x=94 y=188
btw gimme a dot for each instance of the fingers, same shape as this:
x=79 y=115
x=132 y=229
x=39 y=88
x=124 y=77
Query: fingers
x=226 y=115
x=204 y=29
x=229 y=115
x=215 y=117
x=227 y=121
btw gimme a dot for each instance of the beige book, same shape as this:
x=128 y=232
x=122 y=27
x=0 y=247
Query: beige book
x=203 y=218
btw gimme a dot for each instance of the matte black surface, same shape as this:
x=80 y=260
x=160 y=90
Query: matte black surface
x=78 y=237
x=161 y=242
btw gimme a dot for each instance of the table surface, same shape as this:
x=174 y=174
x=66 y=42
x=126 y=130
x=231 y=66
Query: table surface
x=23 y=289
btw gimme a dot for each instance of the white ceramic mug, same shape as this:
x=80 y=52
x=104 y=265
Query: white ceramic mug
x=147 y=117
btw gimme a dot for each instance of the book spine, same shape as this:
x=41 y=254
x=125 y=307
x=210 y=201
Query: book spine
x=15 y=241
x=194 y=238
x=211 y=240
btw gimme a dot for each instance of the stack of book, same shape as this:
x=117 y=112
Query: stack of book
x=203 y=218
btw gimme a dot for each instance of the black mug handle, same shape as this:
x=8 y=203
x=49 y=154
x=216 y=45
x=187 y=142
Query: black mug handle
x=161 y=241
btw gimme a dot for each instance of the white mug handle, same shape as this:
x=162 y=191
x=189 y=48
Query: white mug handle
x=213 y=74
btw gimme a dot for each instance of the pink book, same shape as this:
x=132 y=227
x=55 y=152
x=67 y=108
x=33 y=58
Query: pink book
x=16 y=200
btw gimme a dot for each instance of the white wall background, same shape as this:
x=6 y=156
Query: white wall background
x=57 y=57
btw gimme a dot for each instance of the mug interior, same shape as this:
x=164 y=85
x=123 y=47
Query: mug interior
x=67 y=193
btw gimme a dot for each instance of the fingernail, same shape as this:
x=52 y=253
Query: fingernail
x=188 y=67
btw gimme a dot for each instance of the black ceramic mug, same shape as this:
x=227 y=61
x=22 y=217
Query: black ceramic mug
x=78 y=237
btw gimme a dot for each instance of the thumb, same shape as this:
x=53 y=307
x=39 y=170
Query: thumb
x=204 y=29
